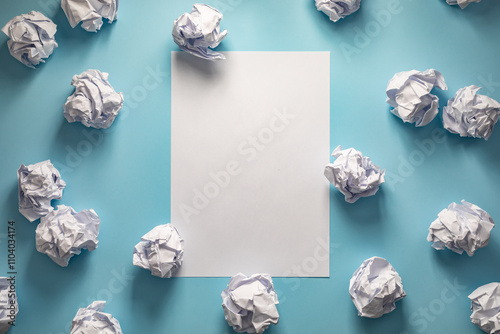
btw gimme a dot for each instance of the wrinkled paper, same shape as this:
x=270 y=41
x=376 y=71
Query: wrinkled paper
x=64 y=233
x=89 y=12
x=198 y=31
x=461 y=227
x=471 y=115
x=461 y=3
x=8 y=305
x=31 y=38
x=91 y=320
x=353 y=175
x=94 y=102
x=161 y=251
x=338 y=9
x=409 y=94
x=375 y=287
x=485 y=307
x=38 y=185
x=249 y=303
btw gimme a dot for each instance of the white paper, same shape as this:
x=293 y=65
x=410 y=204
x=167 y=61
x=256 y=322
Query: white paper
x=470 y=114
x=8 y=305
x=94 y=102
x=89 y=12
x=461 y=227
x=249 y=303
x=31 y=38
x=268 y=204
x=38 y=185
x=485 y=307
x=64 y=232
x=409 y=94
x=375 y=287
x=198 y=31
x=91 y=320
x=338 y=9
x=354 y=175
x=160 y=251
x=461 y=3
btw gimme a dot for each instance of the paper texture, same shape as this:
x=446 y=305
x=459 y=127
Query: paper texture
x=409 y=94
x=485 y=307
x=462 y=3
x=250 y=138
x=91 y=320
x=89 y=12
x=354 y=175
x=38 y=185
x=461 y=227
x=249 y=303
x=160 y=251
x=375 y=288
x=198 y=31
x=471 y=115
x=64 y=233
x=31 y=38
x=338 y=9
x=8 y=305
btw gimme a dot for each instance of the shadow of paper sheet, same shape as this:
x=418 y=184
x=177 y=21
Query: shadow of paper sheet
x=250 y=139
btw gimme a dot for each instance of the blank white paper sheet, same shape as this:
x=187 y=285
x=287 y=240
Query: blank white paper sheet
x=250 y=140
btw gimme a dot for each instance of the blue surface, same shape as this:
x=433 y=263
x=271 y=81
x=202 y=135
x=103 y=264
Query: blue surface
x=124 y=173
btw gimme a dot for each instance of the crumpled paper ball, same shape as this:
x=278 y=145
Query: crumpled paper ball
x=64 y=233
x=353 y=175
x=471 y=115
x=485 y=307
x=461 y=3
x=375 y=287
x=338 y=9
x=8 y=305
x=461 y=227
x=31 y=38
x=89 y=12
x=38 y=185
x=198 y=31
x=409 y=94
x=249 y=303
x=91 y=320
x=94 y=102
x=161 y=251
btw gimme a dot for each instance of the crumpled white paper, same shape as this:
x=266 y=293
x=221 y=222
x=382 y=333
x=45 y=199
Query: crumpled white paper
x=461 y=227
x=31 y=37
x=94 y=102
x=471 y=115
x=485 y=306
x=38 y=185
x=354 y=175
x=161 y=251
x=375 y=287
x=198 y=31
x=338 y=9
x=8 y=305
x=249 y=303
x=89 y=12
x=409 y=94
x=461 y=3
x=91 y=320
x=64 y=233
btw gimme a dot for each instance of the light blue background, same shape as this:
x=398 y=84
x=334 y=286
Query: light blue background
x=126 y=176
